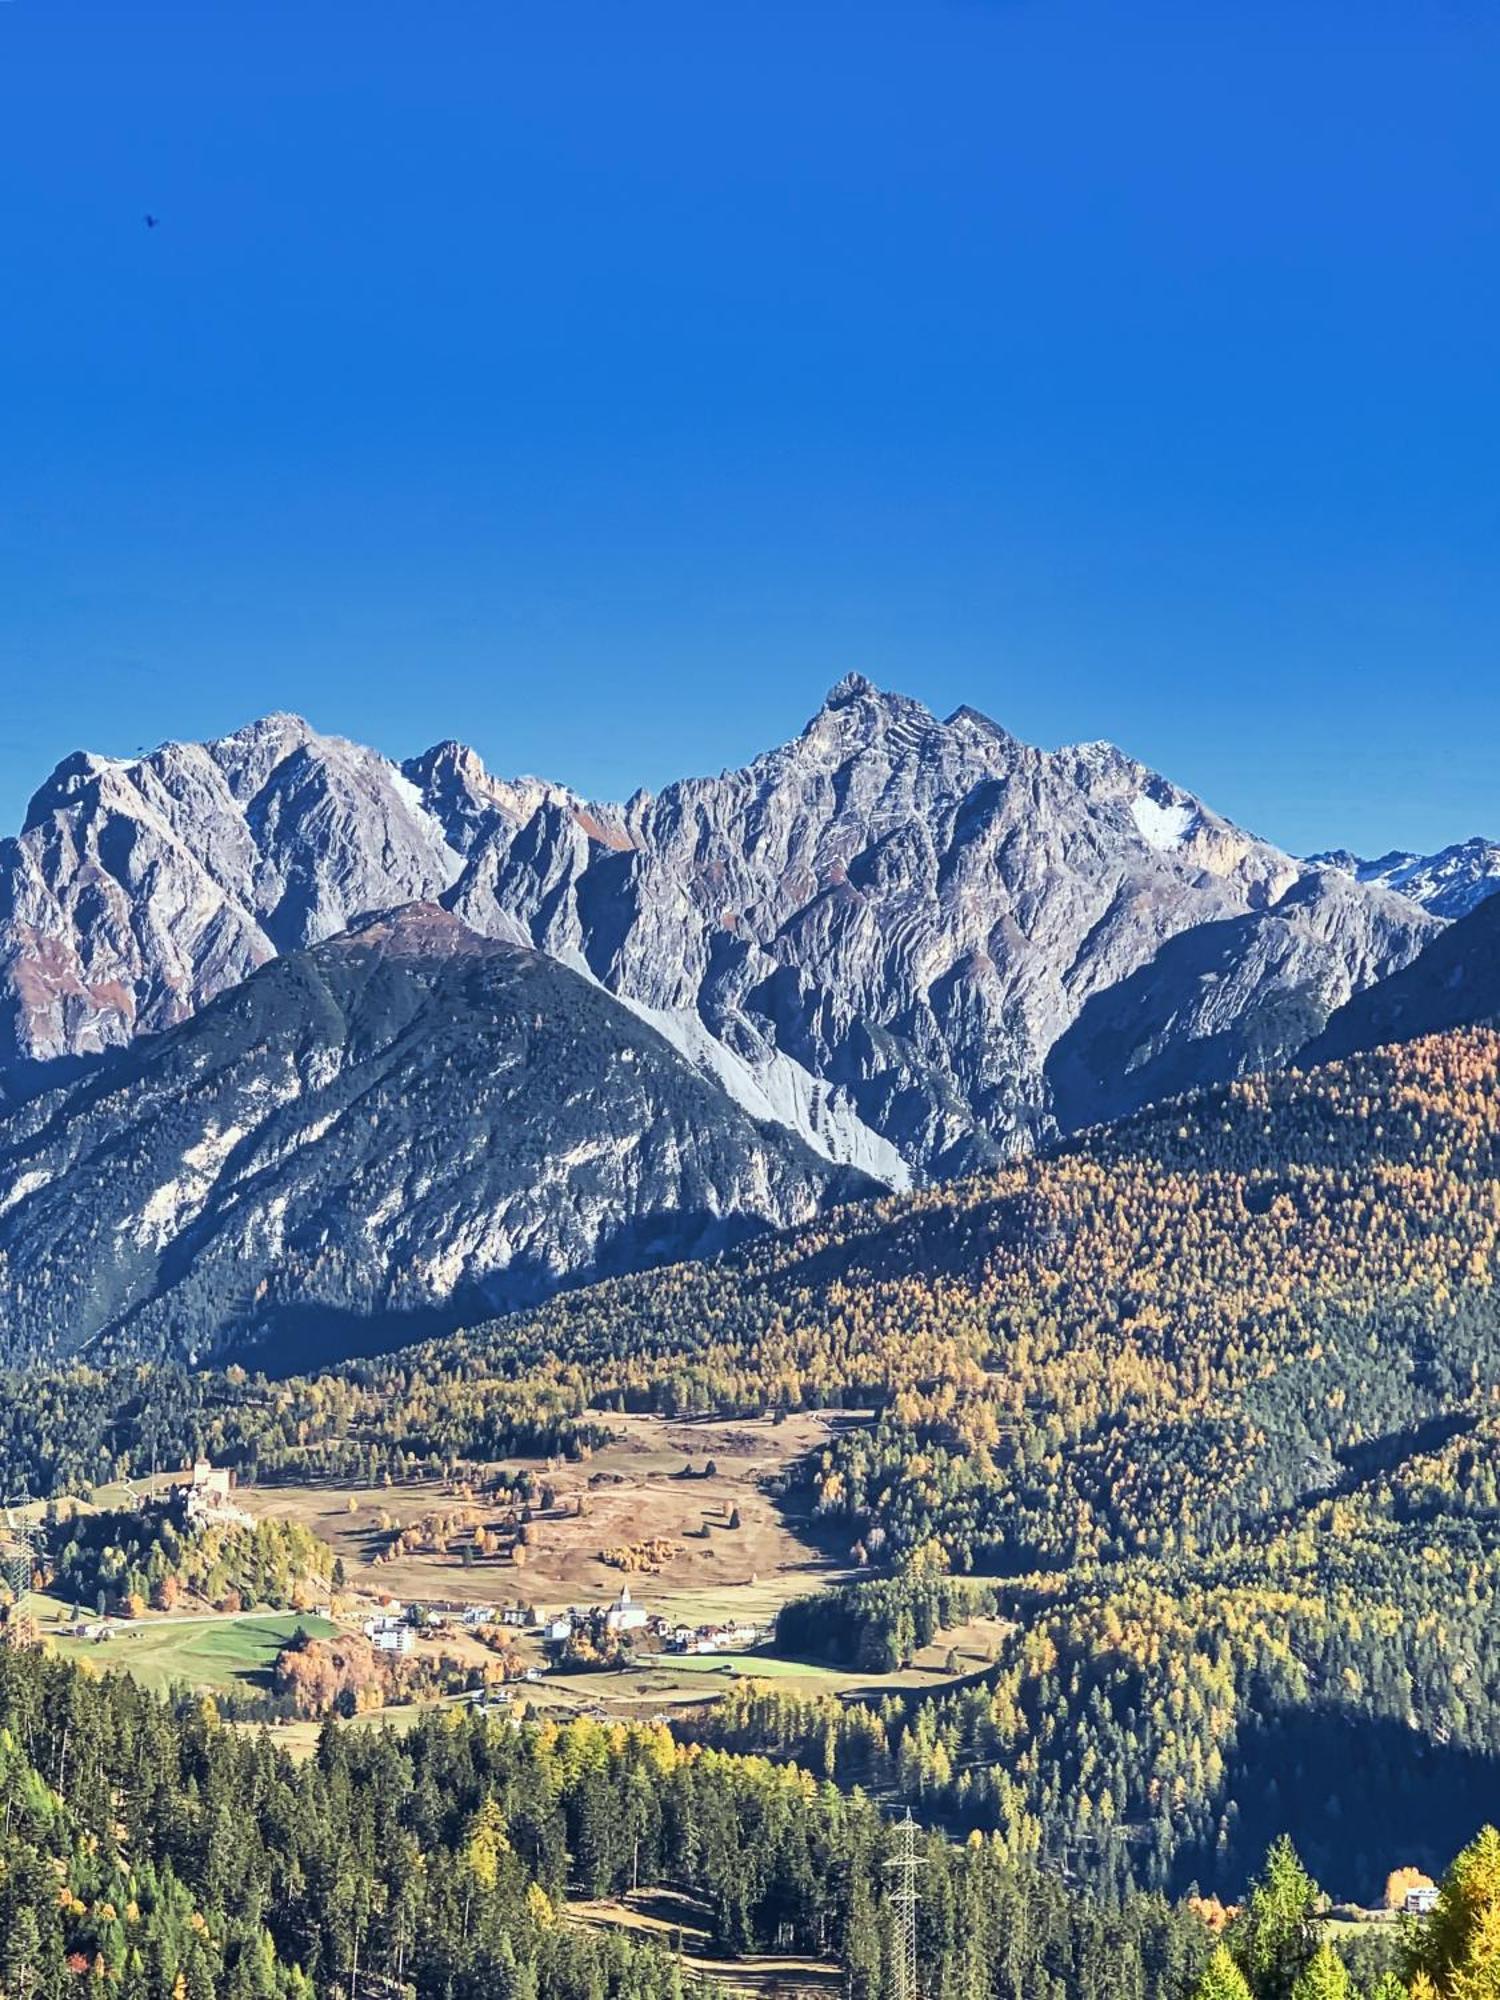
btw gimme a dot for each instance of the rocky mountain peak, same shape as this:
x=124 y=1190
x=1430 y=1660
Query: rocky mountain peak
x=876 y=934
x=874 y=707
x=248 y=757
x=1450 y=883
x=878 y=709
x=76 y=775
x=853 y=687
x=976 y=722
x=448 y=762
x=467 y=799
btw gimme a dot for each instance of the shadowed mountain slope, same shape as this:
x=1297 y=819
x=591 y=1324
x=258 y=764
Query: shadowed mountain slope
x=396 y=1129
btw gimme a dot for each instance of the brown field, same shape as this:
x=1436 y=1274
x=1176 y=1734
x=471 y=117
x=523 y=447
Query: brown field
x=976 y=1644
x=300 y=1739
x=630 y=1494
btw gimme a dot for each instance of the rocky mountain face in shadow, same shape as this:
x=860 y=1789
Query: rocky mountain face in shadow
x=377 y=1136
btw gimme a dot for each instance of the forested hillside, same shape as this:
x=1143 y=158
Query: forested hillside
x=1210 y=1399
x=121 y=1560
x=149 y=1849
x=148 y=1853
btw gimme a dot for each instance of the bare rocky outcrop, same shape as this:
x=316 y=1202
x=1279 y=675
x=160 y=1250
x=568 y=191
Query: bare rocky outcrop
x=919 y=943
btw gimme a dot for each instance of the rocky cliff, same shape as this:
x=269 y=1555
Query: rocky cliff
x=919 y=944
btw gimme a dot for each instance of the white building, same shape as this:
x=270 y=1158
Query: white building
x=624 y=1615
x=390 y=1635
x=739 y=1638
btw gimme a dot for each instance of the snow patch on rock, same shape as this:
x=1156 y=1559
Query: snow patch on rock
x=1163 y=827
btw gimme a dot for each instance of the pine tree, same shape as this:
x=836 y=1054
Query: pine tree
x=1274 y=1937
x=1459 y=1947
x=1325 y=1976
x=1222 y=1979
x=20 y=1955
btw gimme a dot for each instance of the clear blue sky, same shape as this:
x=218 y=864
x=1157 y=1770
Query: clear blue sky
x=598 y=380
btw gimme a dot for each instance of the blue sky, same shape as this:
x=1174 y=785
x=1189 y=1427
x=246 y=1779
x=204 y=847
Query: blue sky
x=599 y=382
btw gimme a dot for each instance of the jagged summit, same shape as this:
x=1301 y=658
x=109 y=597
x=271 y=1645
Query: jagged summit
x=851 y=688
x=855 y=714
x=913 y=941
x=278 y=724
x=974 y=718
x=858 y=692
x=68 y=781
x=1450 y=883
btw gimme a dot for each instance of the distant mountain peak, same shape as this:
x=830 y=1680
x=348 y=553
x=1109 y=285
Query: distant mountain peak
x=857 y=714
x=1450 y=883
x=448 y=756
x=1336 y=857
x=975 y=718
x=856 y=697
x=275 y=722
x=853 y=687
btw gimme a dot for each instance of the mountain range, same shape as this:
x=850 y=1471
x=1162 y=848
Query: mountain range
x=1450 y=883
x=880 y=932
x=893 y=949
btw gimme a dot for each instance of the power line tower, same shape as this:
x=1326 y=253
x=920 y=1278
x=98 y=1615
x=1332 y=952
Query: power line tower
x=903 y=1901
x=20 y=1543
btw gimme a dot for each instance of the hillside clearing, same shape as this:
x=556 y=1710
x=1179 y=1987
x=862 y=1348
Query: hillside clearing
x=207 y=1653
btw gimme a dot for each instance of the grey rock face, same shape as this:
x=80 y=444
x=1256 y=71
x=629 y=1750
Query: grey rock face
x=1449 y=883
x=137 y=891
x=920 y=944
x=1245 y=993
x=376 y=1137
x=1455 y=983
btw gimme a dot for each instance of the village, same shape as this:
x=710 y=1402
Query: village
x=579 y=1635
x=528 y=1638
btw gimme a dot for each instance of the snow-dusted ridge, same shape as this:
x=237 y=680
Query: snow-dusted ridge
x=1450 y=883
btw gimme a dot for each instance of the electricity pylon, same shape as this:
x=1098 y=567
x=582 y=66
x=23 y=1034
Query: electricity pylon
x=903 y=1901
